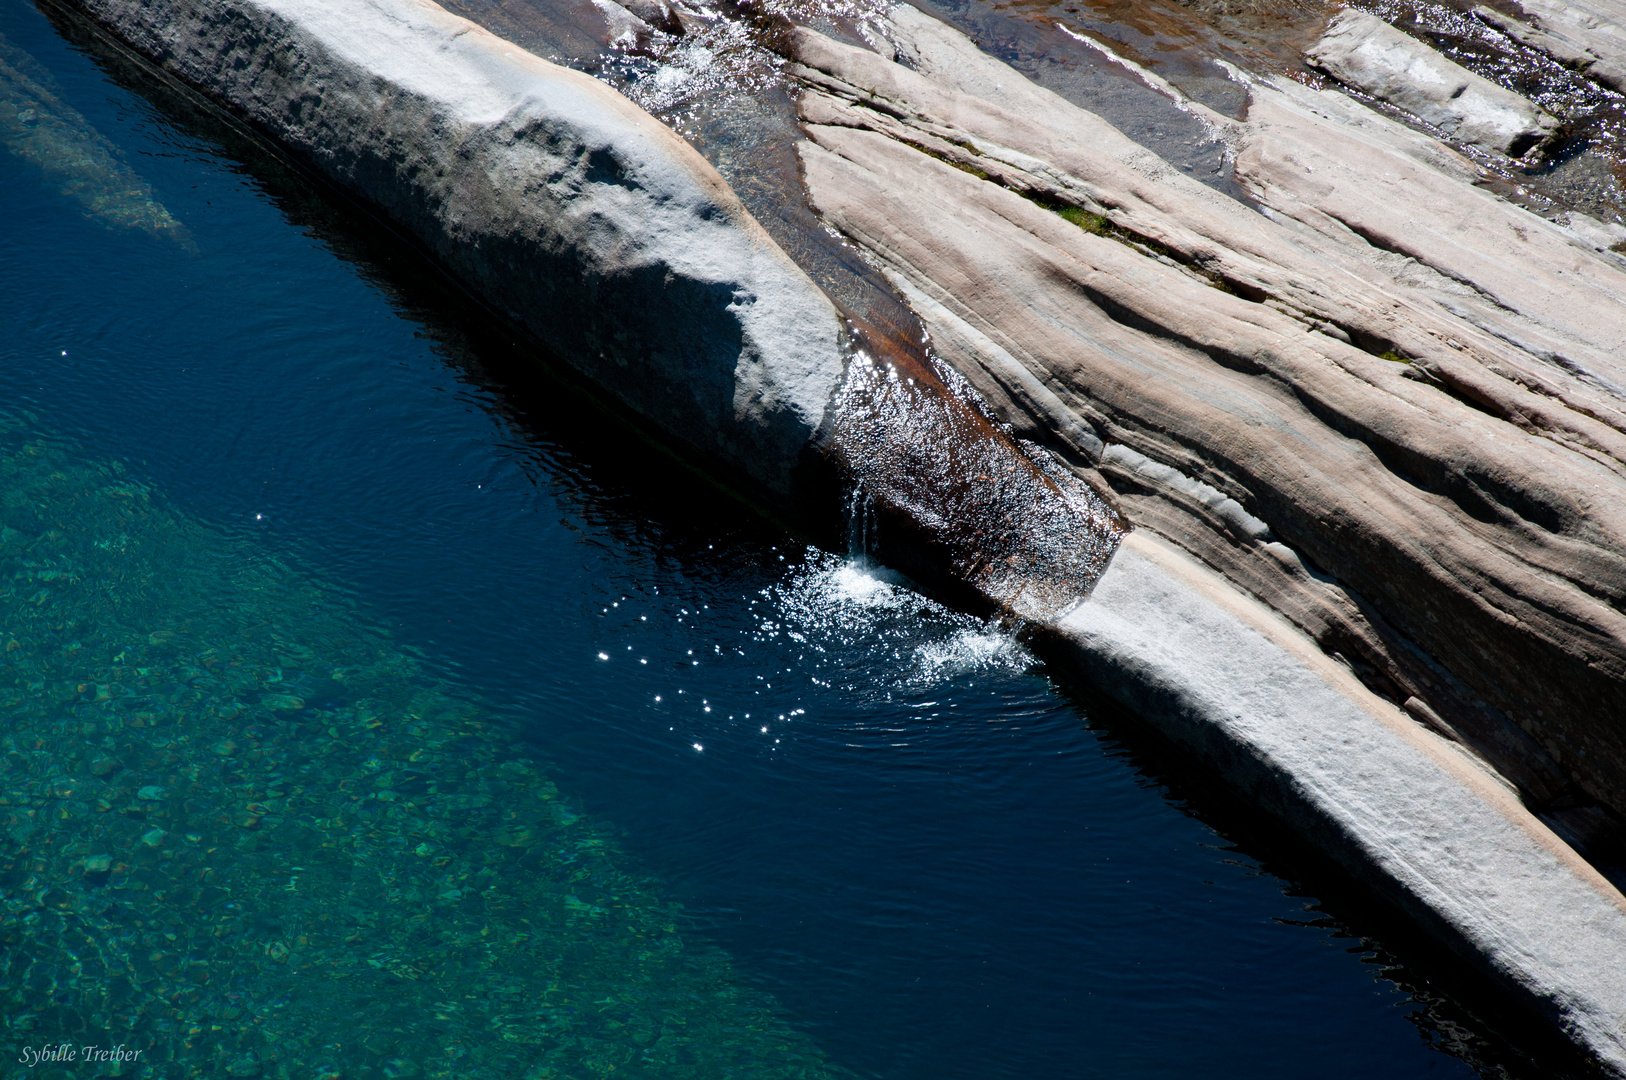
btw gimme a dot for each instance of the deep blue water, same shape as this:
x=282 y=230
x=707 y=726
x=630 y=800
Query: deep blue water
x=884 y=812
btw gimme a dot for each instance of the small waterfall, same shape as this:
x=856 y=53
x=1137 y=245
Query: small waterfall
x=863 y=530
x=966 y=506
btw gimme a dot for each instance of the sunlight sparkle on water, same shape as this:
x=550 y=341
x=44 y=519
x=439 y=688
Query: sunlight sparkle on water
x=835 y=605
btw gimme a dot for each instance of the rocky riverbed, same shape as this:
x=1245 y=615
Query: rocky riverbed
x=241 y=825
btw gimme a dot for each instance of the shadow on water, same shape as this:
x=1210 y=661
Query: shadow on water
x=255 y=755
x=534 y=391
x=967 y=511
x=1456 y=1010
x=249 y=835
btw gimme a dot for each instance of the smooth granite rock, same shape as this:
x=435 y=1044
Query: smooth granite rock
x=1407 y=207
x=559 y=203
x=1362 y=51
x=1398 y=805
x=1389 y=405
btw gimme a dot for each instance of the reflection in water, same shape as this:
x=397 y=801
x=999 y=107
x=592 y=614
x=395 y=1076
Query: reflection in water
x=245 y=834
x=41 y=129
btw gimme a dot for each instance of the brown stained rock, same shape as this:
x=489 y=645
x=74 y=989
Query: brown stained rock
x=1452 y=527
x=942 y=492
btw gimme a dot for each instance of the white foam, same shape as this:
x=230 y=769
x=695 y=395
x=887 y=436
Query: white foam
x=972 y=650
x=847 y=607
x=861 y=582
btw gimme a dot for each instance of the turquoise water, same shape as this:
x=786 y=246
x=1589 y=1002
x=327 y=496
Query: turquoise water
x=376 y=706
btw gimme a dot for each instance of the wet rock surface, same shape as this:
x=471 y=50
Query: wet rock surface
x=1587 y=37
x=939 y=489
x=1363 y=51
x=1580 y=170
x=246 y=835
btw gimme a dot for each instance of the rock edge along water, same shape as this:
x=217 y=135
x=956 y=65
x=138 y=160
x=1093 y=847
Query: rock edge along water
x=587 y=222
x=371 y=144
x=1108 y=323
x=558 y=202
x=1407 y=810
x=1341 y=427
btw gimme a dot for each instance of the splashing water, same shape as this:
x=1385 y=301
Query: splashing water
x=867 y=626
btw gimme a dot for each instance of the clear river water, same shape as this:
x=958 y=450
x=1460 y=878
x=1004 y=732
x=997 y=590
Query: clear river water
x=374 y=704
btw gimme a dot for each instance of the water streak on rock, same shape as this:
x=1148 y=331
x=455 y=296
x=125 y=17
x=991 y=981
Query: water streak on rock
x=945 y=493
